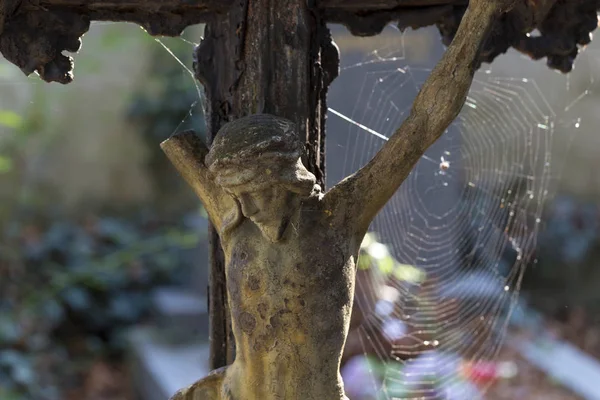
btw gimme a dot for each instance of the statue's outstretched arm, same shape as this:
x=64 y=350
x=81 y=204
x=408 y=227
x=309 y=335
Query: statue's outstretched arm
x=441 y=98
x=187 y=152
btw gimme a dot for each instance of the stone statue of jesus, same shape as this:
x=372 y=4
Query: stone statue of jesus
x=290 y=248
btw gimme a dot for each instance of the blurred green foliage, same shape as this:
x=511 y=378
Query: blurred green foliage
x=170 y=100
x=70 y=289
x=376 y=254
x=567 y=273
x=69 y=293
x=11 y=121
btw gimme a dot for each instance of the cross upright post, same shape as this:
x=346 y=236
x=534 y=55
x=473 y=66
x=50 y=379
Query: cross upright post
x=274 y=57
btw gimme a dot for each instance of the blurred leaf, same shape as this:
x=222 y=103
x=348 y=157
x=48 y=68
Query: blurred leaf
x=9 y=329
x=23 y=373
x=112 y=38
x=6 y=164
x=364 y=262
x=127 y=307
x=10 y=358
x=409 y=273
x=368 y=240
x=386 y=265
x=203 y=212
x=10 y=119
x=77 y=293
x=8 y=394
x=77 y=298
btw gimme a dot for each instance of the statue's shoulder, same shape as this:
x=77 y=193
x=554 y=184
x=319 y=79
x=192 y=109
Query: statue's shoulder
x=208 y=388
x=314 y=208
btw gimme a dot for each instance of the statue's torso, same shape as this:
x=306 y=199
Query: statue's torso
x=291 y=304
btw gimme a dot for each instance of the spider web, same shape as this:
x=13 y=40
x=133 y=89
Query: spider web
x=462 y=228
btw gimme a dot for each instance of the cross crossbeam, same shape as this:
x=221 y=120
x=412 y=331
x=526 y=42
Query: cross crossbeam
x=191 y=11
x=379 y=5
x=34 y=34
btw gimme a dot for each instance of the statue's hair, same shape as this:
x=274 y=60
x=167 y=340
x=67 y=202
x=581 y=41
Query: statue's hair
x=258 y=151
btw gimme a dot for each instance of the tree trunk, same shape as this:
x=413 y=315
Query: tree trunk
x=267 y=56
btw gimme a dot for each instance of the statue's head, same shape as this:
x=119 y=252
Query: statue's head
x=257 y=160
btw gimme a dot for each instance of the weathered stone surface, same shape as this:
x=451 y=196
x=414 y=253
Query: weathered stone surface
x=298 y=245
x=248 y=66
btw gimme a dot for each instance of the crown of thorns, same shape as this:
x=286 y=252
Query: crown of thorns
x=257 y=151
